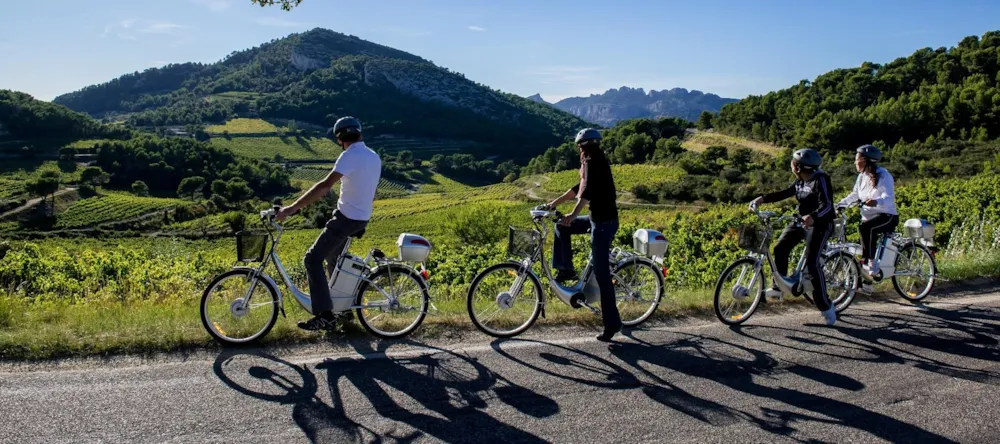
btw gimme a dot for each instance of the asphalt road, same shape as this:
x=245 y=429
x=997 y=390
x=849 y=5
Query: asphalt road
x=887 y=372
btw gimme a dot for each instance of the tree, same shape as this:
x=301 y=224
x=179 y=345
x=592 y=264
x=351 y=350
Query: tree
x=139 y=188
x=286 y=5
x=219 y=188
x=705 y=120
x=191 y=186
x=46 y=184
x=94 y=176
x=237 y=190
x=292 y=128
x=405 y=156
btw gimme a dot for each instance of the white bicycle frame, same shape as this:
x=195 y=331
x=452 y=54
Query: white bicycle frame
x=586 y=291
x=302 y=297
x=876 y=264
x=795 y=284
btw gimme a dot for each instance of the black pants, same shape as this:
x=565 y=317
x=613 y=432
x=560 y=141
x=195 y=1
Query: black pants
x=870 y=229
x=327 y=248
x=815 y=237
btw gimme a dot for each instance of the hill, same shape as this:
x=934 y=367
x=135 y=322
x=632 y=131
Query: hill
x=629 y=103
x=320 y=75
x=23 y=117
x=934 y=94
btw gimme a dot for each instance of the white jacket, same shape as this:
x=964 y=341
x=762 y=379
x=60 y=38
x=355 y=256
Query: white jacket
x=884 y=195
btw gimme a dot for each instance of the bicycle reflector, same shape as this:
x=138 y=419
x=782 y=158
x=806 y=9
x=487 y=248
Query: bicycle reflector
x=426 y=274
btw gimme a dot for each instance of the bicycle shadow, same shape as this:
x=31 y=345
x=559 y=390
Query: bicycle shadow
x=731 y=368
x=454 y=388
x=444 y=383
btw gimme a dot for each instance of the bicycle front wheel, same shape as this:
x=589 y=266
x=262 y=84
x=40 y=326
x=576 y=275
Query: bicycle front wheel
x=915 y=272
x=505 y=300
x=638 y=289
x=738 y=292
x=843 y=276
x=394 y=303
x=238 y=308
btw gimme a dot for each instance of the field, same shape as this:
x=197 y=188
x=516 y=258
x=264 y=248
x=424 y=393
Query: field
x=626 y=177
x=111 y=206
x=305 y=176
x=701 y=140
x=243 y=126
x=14 y=174
x=290 y=148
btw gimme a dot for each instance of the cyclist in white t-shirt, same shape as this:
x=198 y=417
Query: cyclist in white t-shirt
x=358 y=169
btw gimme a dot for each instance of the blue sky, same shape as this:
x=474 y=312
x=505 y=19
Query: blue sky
x=554 y=47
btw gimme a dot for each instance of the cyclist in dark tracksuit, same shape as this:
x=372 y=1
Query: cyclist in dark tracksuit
x=813 y=191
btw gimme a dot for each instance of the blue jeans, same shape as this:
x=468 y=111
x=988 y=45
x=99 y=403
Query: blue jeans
x=601 y=235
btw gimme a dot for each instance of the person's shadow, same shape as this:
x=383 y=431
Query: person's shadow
x=453 y=388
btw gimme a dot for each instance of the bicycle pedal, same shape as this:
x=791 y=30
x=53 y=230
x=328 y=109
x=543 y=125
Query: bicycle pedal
x=594 y=310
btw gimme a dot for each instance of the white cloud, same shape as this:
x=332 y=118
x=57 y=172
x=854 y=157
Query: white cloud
x=278 y=22
x=161 y=28
x=477 y=28
x=215 y=5
x=124 y=36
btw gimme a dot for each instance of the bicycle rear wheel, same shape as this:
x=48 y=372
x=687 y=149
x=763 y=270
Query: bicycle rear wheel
x=226 y=314
x=384 y=319
x=843 y=274
x=638 y=289
x=915 y=271
x=505 y=300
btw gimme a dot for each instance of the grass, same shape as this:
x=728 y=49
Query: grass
x=702 y=140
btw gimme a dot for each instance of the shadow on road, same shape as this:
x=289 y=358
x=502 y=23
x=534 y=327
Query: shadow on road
x=451 y=385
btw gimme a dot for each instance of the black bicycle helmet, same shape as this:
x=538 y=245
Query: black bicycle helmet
x=870 y=152
x=346 y=124
x=808 y=157
x=587 y=135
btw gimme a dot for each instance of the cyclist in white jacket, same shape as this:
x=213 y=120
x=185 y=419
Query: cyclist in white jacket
x=875 y=189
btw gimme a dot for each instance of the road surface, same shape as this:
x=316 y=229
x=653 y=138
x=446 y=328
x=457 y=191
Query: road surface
x=888 y=372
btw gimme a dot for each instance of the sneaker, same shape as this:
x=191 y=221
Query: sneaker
x=773 y=293
x=866 y=288
x=830 y=316
x=317 y=323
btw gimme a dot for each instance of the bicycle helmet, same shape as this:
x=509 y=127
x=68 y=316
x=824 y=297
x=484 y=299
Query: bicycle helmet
x=346 y=124
x=808 y=157
x=870 y=152
x=587 y=135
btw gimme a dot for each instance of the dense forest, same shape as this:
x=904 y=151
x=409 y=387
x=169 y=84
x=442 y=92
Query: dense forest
x=320 y=75
x=23 y=117
x=163 y=164
x=944 y=93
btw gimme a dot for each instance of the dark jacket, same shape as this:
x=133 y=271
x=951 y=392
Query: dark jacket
x=598 y=186
x=813 y=194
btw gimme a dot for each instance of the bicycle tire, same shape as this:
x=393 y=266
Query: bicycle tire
x=930 y=282
x=758 y=295
x=211 y=329
x=539 y=300
x=424 y=300
x=643 y=262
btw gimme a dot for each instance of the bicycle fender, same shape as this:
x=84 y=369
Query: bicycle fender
x=274 y=285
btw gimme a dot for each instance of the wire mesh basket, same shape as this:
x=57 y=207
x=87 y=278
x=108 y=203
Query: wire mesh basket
x=750 y=238
x=522 y=242
x=250 y=246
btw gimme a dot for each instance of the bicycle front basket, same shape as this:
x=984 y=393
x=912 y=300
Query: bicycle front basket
x=522 y=242
x=250 y=247
x=749 y=237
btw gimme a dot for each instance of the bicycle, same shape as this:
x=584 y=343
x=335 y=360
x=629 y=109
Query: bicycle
x=899 y=250
x=758 y=241
x=354 y=284
x=499 y=287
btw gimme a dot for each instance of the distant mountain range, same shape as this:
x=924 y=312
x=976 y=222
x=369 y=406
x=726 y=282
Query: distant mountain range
x=629 y=103
x=320 y=75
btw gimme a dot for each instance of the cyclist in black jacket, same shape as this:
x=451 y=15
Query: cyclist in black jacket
x=813 y=190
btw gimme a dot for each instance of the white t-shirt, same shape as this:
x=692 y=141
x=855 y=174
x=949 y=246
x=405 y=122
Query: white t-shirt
x=362 y=169
x=884 y=194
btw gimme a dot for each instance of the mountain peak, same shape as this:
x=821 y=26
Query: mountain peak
x=537 y=98
x=628 y=103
